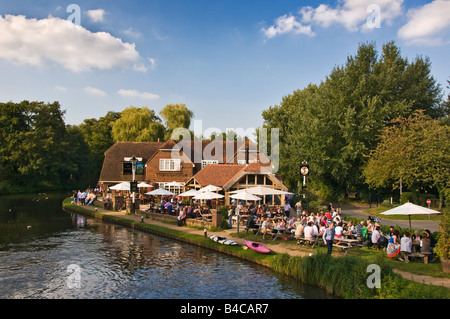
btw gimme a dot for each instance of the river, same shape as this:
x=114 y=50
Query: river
x=46 y=253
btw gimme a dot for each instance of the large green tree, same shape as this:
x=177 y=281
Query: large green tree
x=415 y=152
x=138 y=125
x=176 y=116
x=336 y=124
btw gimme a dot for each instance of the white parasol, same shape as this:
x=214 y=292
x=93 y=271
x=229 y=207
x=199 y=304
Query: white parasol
x=244 y=195
x=159 y=191
x=210 y=188
x=191 y=192
x=124 y=186
x=410 y=209
x=208 y=195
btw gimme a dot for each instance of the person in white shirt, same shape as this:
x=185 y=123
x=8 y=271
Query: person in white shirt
x=405 y=246
x=309 y=231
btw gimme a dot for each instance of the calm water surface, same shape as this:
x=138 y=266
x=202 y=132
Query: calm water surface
x=116 y=262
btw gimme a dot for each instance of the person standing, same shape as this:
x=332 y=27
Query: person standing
x=299 y=208
x=328 y=237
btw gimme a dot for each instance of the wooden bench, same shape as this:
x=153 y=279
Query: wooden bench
x=424 y=256
x=348 y=247
x=303 y=241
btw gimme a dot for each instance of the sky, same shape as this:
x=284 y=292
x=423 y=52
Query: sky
x=226 y=60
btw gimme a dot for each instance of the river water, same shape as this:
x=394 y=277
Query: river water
x=46 y=253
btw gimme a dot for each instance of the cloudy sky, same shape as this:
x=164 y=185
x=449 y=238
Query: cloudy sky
x=227 y=60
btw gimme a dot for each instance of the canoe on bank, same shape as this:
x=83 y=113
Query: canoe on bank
x=257 y=247
x=223 y=240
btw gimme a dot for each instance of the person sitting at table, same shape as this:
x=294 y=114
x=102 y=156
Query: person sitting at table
x=291 y=225
x=369 y=225
x=405 y=247
x=299 y=232
x=181 y=219
x=190 y=212
x=338 y=230
x=198 y=212
x=281 y=224
x=309 y=231
x=251 y=224
x=322 y=228
x=265 y=227
x=425 y=243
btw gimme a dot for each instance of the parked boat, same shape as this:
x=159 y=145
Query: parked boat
x=257 y=247
x=223 y=240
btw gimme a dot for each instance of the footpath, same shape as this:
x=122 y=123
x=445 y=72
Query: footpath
x=280 y=247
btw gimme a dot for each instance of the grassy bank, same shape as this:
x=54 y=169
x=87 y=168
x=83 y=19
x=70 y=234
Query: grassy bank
x=341 y=276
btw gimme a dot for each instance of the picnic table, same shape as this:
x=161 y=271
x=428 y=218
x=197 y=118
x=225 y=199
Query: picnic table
x=314 y=241
x=278 y=232
x=347 y=244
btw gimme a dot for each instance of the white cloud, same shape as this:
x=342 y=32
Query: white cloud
x=427 y=24
x=131 y=33
x=152 y=63
x=352 y=14
x=37 y=42
x=287 y=24
x=97 y=15
x=135 y=93
x=94 y=91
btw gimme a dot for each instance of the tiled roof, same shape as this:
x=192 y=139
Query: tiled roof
x=218 y=174
x=112 y=164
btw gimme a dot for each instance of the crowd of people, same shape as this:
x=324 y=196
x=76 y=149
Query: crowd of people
x=86 y=197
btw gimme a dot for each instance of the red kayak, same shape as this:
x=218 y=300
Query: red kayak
x=257 y=247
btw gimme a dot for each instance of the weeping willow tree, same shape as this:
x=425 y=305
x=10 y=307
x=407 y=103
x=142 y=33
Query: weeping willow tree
x=138 y=125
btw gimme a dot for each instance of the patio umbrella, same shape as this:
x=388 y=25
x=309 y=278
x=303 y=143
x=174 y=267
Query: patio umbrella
x=174 y=184
x=191 y=192
x=210 y=188
x=124 y=186
x=245 y=196
x=261 y=190
x=410 y=209
x=144 y=185
x=159 y=191
x=208 y=195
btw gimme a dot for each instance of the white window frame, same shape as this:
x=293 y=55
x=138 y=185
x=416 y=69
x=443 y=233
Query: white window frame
x=206 y=162
x=169 y=165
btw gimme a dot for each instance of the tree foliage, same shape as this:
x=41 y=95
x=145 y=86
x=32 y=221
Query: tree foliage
x=415 y=149
x=335 y=125
x=138 y=125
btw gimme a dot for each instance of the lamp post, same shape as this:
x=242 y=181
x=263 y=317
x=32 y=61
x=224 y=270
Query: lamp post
x=133 y=183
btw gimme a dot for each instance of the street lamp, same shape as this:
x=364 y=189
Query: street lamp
x=133 y=184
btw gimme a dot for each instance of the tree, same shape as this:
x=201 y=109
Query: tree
x=415 y=150
x=336 y=124
x=176 y=116
x=138 y=125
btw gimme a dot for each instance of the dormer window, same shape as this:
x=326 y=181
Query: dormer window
x=169 y=165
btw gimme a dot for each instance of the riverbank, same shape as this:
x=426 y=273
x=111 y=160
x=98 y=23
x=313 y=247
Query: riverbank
x=288 y=258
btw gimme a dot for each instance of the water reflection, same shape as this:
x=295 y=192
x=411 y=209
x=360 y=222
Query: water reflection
x=117 y=262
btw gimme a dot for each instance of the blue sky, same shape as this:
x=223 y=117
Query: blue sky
x=227 y=60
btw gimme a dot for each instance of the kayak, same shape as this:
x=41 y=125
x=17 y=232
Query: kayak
x=257 y=247
x=223 y=240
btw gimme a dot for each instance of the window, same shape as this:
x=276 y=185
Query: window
x=242 y=162
x=206 y=162
x=168 y=164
